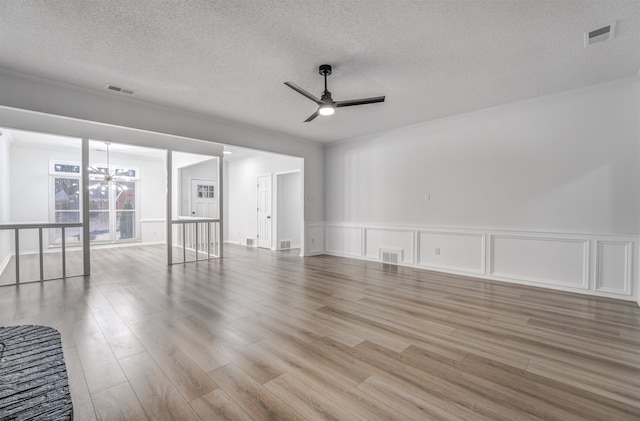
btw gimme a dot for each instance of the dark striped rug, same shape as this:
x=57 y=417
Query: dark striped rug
x=33 y=375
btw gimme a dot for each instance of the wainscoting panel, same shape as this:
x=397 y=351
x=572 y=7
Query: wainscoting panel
x=605 y=265
x=377 y=239
x=314 y=238
x=453 y=251
x=614 y=266
x=550 y=260
x=344 y=240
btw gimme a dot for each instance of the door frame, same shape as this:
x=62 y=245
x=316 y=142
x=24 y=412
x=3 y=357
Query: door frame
x=270 y=176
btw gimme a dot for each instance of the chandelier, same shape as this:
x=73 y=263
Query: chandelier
x=103 y=177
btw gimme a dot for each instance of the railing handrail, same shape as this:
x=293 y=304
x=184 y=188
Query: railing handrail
x=34 y=225
x=193 y=220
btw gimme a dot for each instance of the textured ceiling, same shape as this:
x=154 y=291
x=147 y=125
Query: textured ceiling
x=228 y=59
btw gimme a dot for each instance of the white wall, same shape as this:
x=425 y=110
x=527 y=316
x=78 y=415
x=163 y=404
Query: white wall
x=22 y=93
x=5 y=166
x=241 y=191
x=566 y=164
x=289 y=203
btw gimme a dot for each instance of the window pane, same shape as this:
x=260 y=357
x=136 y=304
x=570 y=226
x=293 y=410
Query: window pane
x=67 y=194
x=72 y=217
x=99 y=226
x=125 y=195
x=125 y=173
x=72 y=234
x=125 y=224
x=98 y=195
x=205 y=191
x=67 y=168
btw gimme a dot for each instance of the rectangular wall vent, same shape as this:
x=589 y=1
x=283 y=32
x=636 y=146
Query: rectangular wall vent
x=250 y=241
x=285 y=244
x=122 y=90
x=391 y=257
x=603 y=33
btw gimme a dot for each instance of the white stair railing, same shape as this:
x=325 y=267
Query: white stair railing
x=198 y=236
x=39 y=226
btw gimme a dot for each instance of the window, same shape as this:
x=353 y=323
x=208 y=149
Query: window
x=125 y=201
x=66 y=200
x=205 y=192
x=113 y=202
x=66 y=207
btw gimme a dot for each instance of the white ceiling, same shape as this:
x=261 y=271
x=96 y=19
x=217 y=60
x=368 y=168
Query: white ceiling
x=229 y=59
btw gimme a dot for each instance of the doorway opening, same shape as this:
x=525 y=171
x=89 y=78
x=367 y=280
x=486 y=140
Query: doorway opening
x=263 y=200
x=195 y=204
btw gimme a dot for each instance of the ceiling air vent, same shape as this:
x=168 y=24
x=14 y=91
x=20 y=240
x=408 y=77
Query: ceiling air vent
x=121 y=90
x=601 y=34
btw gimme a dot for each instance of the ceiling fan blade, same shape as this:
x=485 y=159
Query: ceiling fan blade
x=303 y=92
x=362 y=101
x=312 y=116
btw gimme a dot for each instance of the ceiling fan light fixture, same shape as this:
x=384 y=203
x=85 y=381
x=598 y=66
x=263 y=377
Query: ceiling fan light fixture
x=327 y=106
x=326 y=109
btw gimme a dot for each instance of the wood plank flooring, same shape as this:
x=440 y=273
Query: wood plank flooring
x=266 y=335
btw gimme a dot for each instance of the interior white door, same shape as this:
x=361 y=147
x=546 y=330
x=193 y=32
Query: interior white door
x=264 y=211
x=204 y=198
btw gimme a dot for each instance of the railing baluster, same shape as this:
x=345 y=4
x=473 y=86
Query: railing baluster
x=64 y=260
x=41 y=254
x=184 y=240
x=17 y=246
x=196 y=247
x=208 y=240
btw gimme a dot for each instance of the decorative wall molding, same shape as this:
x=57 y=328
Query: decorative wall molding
x=480 y=270
x=314 y=238
x=623 y=269
x=399 y=239
x=349 y=243
x=554 y=278
x=596 y=264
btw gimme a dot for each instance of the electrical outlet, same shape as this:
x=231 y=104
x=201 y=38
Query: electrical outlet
x=427 y=197
x=438 y=250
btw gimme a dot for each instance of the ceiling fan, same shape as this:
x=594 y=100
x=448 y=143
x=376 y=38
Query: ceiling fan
x=326 y=104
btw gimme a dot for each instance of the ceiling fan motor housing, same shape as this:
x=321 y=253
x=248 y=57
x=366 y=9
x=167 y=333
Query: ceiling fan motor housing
x=324 y=70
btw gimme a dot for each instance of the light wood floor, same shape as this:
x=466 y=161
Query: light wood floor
x=268 y=335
